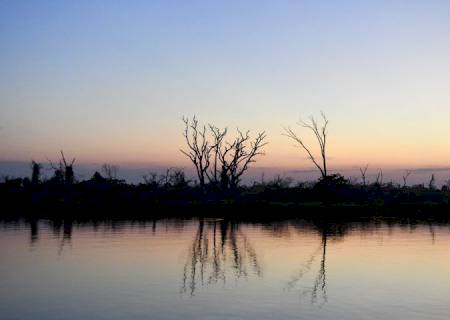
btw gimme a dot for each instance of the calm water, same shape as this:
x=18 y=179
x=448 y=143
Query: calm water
x=174 y=269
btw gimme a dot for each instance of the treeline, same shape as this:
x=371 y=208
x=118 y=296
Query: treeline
x=219 y=164
x=106 y=195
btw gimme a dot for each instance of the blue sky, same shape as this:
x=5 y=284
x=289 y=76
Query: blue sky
x=108 y=81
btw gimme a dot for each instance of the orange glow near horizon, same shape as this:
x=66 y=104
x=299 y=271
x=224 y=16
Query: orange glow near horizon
x=343 y=151
x=116 y=91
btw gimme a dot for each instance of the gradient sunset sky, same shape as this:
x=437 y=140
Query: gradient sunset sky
x=108 y=81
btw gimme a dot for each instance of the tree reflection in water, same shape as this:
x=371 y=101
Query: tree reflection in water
x=219 y=246
x=220 y=249
x=34 y=232
x=66 y=226
x=318 y=290
x=67 y=236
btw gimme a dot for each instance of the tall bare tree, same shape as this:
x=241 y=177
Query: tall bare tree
x=69 y=176
x=405 y=177
x=363 y=174
x=64 y=173
x=198 y=148
x=218 y=136
x=379 y=177
x=110 y=171
x=217 y=161
x=238 y=155
x=320 y=132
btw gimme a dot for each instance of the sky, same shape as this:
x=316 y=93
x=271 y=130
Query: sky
x=109 y=81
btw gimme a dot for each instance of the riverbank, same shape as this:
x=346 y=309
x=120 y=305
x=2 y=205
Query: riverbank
x=109 y=198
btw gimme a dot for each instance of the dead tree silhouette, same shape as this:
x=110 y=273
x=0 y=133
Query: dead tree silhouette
x=405 y=177
x=218 y=173
x=110 y=171
x=64 y=173
x=198 y=148
x=320 y=133
x=236 y=157
x=363 y=174
x=217 y=161
x=379 y=177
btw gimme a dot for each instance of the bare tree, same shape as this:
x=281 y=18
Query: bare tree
x=198 y=148
x=110 y=171
x=238 y=155
x=363 y=174
x=379 y=177
x=58 y=172
x=64 y=173
x=152 y=179
x=174 y=177
x=218 y=136
x=320 y=132
x=69 y=175
x=217 y=161
x=405 y=177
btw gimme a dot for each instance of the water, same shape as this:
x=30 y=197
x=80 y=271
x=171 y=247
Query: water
x=213 y=269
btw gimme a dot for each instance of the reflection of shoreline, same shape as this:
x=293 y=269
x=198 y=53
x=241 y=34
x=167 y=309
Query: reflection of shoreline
x=219 y=248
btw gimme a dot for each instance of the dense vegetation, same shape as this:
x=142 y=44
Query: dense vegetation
x=109 y=196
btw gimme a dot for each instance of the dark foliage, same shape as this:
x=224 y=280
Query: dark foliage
x=108 y=195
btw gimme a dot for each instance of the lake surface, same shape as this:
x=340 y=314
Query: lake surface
x=214 y=269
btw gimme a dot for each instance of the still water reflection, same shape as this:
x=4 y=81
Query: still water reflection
x=218 y=248
x=218 y=269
